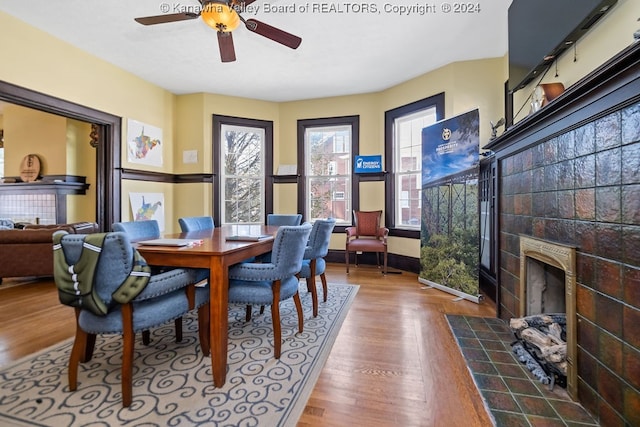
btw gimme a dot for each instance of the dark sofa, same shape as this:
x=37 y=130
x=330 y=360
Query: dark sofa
x=29 y=251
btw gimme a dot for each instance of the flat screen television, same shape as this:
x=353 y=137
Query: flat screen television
x=541 y=30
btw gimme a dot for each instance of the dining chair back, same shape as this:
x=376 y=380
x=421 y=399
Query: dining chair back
x=367 y=235
x=196 y=223
x=268 y=283
x=284 y=219
x=313 y=263
x=113 y=292
x=138 y=230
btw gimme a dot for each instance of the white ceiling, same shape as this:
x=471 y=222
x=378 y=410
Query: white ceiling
x=344 y=50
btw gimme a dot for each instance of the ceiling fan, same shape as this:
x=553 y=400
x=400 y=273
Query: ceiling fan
x=224 y=17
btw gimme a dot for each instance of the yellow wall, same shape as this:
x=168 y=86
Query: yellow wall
x=81 y=161
x=605 y=39
x=28 y=131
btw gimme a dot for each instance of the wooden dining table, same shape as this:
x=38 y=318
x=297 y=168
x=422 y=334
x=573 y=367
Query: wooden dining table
x=217 y=254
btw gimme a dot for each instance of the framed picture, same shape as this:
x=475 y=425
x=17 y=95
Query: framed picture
x=145 y=206
x=144 y=143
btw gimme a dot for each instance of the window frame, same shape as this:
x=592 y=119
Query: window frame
x=390 y=116
x=303 y=125
x=267 y=127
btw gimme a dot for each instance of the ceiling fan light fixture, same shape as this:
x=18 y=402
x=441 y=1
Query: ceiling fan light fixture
x=220 y=16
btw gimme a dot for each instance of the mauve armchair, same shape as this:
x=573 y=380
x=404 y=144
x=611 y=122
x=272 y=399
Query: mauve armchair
x=367 y=236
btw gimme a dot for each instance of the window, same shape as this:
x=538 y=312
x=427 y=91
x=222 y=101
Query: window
x=326 y=149
x=403 y=157
x=242 y=170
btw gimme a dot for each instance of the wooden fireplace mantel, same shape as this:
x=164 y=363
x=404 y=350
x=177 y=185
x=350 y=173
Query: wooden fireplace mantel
x=610 y=87
x=44 y=187
x=53 y=186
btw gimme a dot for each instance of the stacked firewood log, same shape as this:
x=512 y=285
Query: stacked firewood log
x=544 y=336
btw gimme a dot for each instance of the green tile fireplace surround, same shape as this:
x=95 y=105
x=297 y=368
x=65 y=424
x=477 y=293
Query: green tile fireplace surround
x=570 y=174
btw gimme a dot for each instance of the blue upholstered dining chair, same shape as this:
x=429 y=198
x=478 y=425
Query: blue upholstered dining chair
x=114 y=300
x=284 y=219
x=138 y=230
x=313 y=263
x=271 y=282
x=279 y=220
x=196 y=223
x=148 y=230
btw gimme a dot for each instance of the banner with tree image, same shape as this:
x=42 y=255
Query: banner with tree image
x=449 y=249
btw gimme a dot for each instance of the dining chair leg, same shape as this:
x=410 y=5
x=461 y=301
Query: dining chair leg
x=178 y=326
x=275 y=319
x=89 y=346
x=325 y=290
x=77 y=352
x=311 y=285
x=296 y=300
x=127 y=354
x=146 y=337
x=247 y=316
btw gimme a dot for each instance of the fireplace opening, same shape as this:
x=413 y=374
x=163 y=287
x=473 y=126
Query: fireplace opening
x=545 y=288
x=546 y=331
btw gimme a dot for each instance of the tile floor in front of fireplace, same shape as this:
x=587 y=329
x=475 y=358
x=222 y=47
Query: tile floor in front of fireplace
x=511 y=394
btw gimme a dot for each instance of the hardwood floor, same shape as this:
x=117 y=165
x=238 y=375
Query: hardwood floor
x=394 y=363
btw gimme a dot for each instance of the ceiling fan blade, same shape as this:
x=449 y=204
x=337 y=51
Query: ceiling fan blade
x=162 y=19
x=273 y=33
x=242 y=3
x=225 y=43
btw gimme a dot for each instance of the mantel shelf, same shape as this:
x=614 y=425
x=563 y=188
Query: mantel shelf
x=44 y=187
x=45 y=200
x=613 y=75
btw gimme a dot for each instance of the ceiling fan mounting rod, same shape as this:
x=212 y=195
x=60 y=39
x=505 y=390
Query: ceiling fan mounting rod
x=251 y=25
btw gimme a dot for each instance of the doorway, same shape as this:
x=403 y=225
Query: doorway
x=108 y=155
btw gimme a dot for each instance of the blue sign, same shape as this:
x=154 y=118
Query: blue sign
x=368 y=164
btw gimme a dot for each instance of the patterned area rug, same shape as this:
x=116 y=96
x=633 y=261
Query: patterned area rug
x=172 y=382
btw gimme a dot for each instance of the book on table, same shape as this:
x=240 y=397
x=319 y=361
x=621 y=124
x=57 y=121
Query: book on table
x=248 y=237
